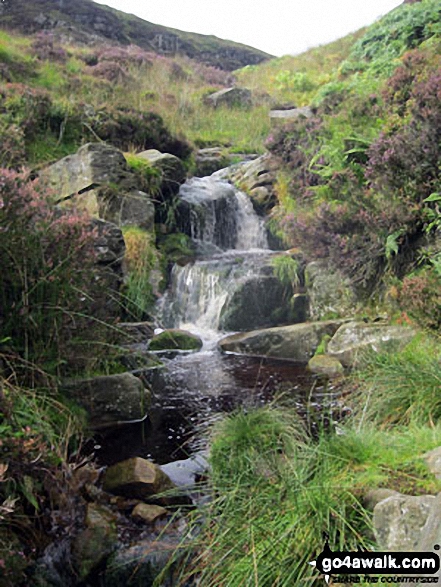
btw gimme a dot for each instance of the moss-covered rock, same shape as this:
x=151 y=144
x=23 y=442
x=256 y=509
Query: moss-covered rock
x=175 y=339
x=325 y=365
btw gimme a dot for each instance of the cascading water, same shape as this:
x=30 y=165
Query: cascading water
x=233 y=245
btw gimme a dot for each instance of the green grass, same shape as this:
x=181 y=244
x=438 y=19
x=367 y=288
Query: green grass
x=403 y=388
x=274 y=493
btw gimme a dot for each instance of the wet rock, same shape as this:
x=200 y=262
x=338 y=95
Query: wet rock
x=330 y=293
x=110 y=399
x=139 y=565
x=354 y=339
x=137 y=478
x=96 y=542
x=433 y=460
x=231 y=97
x=209 y=160
x=399 y=520
x=297 y=342
x=325 y=365
x=175 y=339
x=171 y=169
x=148 y=513
x=262 y=301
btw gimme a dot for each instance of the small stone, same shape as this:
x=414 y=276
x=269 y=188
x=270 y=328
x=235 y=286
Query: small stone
x=325 y=365
x=433 y=460
x=148 y=513
x=374 y=496
x=136 y=478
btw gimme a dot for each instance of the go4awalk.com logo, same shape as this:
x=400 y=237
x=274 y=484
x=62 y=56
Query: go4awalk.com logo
x=361 y=566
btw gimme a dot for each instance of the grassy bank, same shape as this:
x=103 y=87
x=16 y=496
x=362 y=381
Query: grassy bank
x=275 y=490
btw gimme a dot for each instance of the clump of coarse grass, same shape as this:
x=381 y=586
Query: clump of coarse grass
x=402 y=388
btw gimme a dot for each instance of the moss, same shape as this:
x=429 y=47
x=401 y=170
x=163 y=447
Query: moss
x=175 y=340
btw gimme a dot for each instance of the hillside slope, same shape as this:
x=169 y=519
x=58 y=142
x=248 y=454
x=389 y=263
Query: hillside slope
x=86 y=21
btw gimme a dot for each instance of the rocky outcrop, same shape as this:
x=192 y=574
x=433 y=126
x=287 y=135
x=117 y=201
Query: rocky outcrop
x=290 y=115
x=110 y=399
x=97 y=179
x=209 y=160
x=330 y=293
x=137 y=478
x=175 y=339
x=294 y=343
x=88 y=22
x=399 y=520
x=170 y=168
x=257 y=178
x=354 y=339
x=230 y=97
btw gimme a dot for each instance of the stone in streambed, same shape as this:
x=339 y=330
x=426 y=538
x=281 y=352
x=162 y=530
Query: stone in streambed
x=297 y=342
x=175 y=339
x=136 y=477
x=110 y=399
x=97 y=541
x=148 y=513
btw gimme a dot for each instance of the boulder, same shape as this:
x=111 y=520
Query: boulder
x=262 y=301
x=185 y=473
x=257 y=178
x=231 y=97
x=325 y=365
x=431 y=532
x=297 y=342
x=352 y=340
x=171 y=169
x=110 y=399
x=175 y=339
x=148 y=513
x=209 y=160
x=330 y=293
x=138 y=478
x=398 y=521
x=288 y=115
x=96 y=542
x=433 y=460
x=97 y=179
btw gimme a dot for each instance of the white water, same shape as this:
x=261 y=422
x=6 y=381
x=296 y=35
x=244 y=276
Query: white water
x=199 y=291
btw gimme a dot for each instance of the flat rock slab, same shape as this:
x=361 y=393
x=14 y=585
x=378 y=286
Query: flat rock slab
x=136 y=478
x=148 y=513
x=354 y=339
x=297 y=342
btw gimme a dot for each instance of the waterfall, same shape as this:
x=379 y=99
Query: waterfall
x=222 y=222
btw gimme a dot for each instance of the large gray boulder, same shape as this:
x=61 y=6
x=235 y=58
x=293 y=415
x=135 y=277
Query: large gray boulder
x=399 y=520
x=354 y=339
x=330 y=293
x=110 y=399
x=297 y=342
x=231 y=97
x=97 y=179
x=171 y=170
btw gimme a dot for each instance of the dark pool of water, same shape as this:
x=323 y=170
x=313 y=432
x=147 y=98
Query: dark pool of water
x=191 y=391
